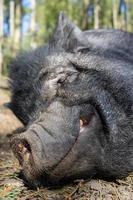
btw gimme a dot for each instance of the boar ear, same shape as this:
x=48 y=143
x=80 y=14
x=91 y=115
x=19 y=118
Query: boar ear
x=67 y=36
x=7 y=105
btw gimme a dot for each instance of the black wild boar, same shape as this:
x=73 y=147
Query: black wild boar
x=75 y=97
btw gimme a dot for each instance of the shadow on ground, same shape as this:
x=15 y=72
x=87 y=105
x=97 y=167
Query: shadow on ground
x=13 y=188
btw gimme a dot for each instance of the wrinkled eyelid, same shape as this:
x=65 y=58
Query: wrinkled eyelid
x=70 y=77
x=42 y=74
x=62 y=80
x=72 y=72
x=52 y=75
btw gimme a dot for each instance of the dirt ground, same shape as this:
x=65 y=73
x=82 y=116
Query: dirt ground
x=13 y=188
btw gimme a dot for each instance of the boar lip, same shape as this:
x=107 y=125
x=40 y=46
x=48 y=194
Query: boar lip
x=80 y=132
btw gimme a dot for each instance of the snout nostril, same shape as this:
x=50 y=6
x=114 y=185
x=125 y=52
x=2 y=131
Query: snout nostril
x=21 y=146
x=26 y=145
x=21 y=149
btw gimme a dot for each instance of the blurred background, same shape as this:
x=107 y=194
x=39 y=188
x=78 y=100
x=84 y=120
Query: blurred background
x=27 y=24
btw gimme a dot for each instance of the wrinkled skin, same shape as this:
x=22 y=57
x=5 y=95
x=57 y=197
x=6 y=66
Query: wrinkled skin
x=75 y=98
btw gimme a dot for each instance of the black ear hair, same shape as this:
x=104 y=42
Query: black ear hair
x=8 y=105
x=67 y=36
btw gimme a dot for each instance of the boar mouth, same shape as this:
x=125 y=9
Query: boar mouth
x=84 y=122
x=31 y=154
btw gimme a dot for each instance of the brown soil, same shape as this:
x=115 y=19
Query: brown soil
x=12 y=187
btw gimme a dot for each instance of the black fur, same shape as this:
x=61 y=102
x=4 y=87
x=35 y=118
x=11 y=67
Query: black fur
x=78 y=68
